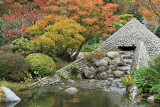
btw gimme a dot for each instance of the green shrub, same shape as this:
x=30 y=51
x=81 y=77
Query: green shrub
x=145 y=78
x=155 y=64
x=57 y=51
x=127 y=81
x=22 y=46
x=158 y=32
x=74 y=70
x=156 y=90
x=63 y=75
x=122 y=20
x=41 y=63
x=13 y=67
x=134 y=11
x=94 y=40
x=90 y=48
x=23 y=2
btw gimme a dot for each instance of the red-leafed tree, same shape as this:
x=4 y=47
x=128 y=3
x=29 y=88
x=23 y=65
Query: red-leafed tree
x=94 y=15
x=19 y=18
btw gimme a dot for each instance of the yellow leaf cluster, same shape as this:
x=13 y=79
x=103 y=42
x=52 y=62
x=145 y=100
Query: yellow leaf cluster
x=34 y=30
x=41 y=24
x=80 y=37
x=57 y=28
x=43 y=42
x=50 y=18
x=148 y=14
x=53 y=36
x=124 y=18
x=150 y=10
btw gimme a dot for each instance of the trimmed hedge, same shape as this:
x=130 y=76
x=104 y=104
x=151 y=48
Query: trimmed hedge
x=13 y=67
x=41 y=64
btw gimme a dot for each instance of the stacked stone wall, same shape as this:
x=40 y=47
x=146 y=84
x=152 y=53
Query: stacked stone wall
x=132 y=34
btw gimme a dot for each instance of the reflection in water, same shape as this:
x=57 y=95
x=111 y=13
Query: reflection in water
x=11 y=104
x=53 y=97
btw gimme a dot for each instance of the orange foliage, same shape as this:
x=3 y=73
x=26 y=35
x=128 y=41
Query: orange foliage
x=56 y=28
x=88 y=13
x=151 y=10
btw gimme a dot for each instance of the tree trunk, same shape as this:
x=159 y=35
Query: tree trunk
x=155 y=28
x=66 y=54
x=79 y=48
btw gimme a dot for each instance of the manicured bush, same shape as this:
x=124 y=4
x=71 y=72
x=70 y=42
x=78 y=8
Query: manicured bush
x=13 y=67
x=41 y=64
x=22 y=46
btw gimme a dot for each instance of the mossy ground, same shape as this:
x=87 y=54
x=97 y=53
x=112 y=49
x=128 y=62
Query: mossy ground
x=14 y=86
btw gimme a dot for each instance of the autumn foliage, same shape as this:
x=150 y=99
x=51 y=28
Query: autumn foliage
x=54 y=29
x=95 y=15
x=151 y=10
x=65 y=23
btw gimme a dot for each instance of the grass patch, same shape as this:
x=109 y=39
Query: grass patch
x=15 y=86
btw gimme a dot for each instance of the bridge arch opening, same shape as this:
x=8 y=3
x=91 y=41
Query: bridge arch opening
x=127 y=48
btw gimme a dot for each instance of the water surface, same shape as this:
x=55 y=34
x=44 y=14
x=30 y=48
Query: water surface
x=57 y=97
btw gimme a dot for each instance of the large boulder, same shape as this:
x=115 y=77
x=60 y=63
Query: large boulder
x=113 y=54
x=127 y=55
x=150 y=99
x=9 y=95
x=89 y=72
x=102 y=76
x=117 y=61
x=71 y=90
x=122 y=68
x=128 y=61
x=102 y=69
x=118 y=74
x=112 y=67
x=70 y=81
x=100 y=62
x=109 y=71
x=107 y=60
x=79 y=76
